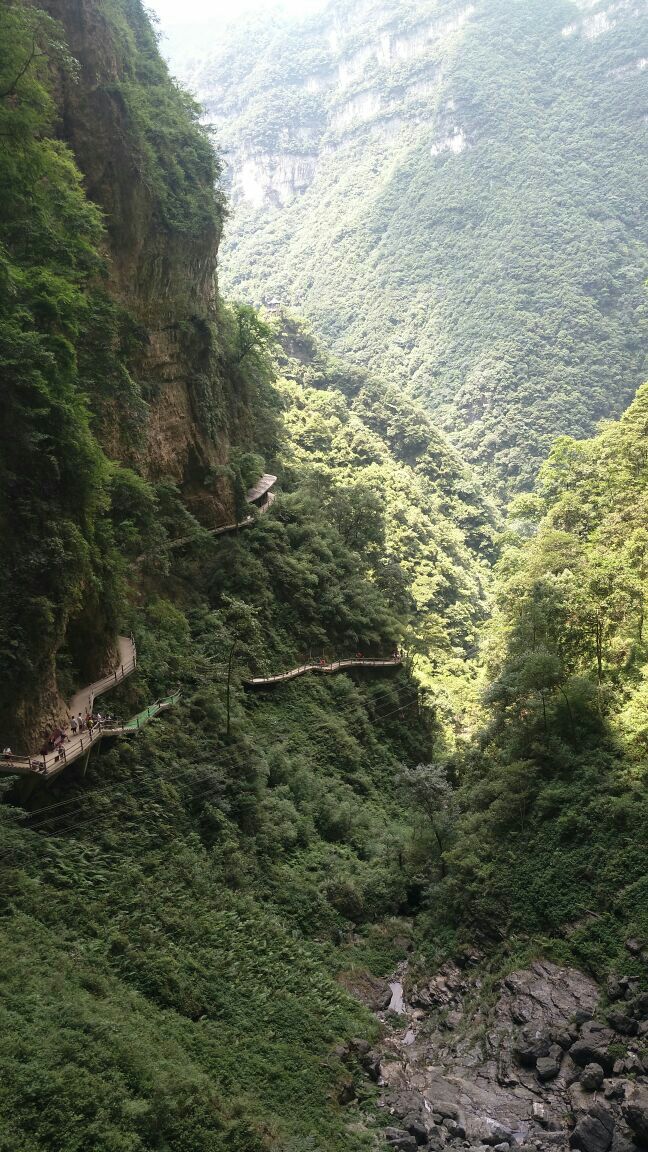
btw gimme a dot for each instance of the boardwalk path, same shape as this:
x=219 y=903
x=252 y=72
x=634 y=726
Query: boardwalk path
x=261 y=492
x=315 y=666
x=52 y=763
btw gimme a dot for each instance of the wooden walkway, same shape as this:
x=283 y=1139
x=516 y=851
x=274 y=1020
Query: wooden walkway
x=262 y=489
x=51 y=763
x=316 y=666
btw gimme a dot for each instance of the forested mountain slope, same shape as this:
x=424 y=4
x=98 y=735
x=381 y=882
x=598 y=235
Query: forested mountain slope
x=455 y=195
x=551 y=832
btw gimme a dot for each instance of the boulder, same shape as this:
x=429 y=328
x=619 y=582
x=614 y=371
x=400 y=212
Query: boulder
x=360 y=1046
x=446 y=1110
x=622 y=1140
x=594 y=1131
x=613 y=1089
x=371 y=1065
x=591 y=1078
x=634 y=946
x=581 y=1016
x=346 y=1092
x=547 y=1068
x=613 y=988
x=405 y=1103
x=635 y=1111
x=592 y=1047
x=639 y=1005
x=622 y=1021
x=416 y=1128
x=400 y=1139
x=496 y=1133
x=532 y=1045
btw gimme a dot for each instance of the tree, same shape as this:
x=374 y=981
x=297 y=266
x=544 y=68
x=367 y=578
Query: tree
x=431 y=793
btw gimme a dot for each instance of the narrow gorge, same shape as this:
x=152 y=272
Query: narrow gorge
x=323 y=491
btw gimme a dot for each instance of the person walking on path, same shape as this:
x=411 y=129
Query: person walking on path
x=74 y=724
x=81 y=722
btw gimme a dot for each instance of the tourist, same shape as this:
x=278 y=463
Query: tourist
x=74 y=724
x=88 y=722
x=7 y=753
x=81 y=722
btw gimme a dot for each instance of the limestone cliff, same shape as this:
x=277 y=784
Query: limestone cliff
x=163 y=227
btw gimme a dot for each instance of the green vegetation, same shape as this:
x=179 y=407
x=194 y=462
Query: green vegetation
x=502 y=283
x=393 y=487
x=551 y=839
x=175 y=920
x=181 y=918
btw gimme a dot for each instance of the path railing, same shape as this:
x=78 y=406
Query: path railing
x=329 y=667
x=49 y=764
x=235 y=525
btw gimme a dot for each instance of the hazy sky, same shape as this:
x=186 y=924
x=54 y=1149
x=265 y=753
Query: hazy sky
x=222 y=11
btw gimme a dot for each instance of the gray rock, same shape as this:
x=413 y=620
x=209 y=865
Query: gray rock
x=497 y=1134
x=639 y=1005
x=634 y=946
x=622 y=1021
x=564 y=1040
x=532 y=1045
x=635 y=1110
x=416 y=1128
x=592 y=1077
x=592 y=1047
x=435 y=1143
x=371 y=1065
x=446 y=1110
x=613 y=1089
x=622 y=1140
x=547 y=1068
x=360 y=1046
x=581 y=1015
x=613 y=988
x=400 y=1139
x=594 y=1132
x=405 y=1103
x=504 y=1147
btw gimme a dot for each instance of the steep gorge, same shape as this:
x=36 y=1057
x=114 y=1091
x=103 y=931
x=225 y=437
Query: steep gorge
x=191 y=920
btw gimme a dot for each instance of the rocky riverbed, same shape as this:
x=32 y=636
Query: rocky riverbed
x=545 y=1067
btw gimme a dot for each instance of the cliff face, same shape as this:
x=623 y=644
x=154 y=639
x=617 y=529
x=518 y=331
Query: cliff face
x=127 y=126
x=454 y=194
x=119 y=360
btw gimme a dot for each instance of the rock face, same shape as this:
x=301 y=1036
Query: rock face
x=635 y=1111
x=164 y=276
x=529 y=1074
